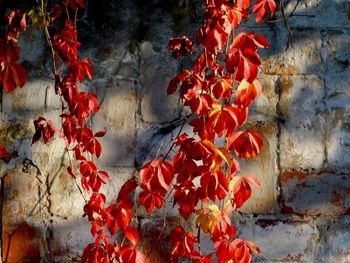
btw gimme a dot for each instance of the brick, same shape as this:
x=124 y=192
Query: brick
x=47 y=157
x=32 y=46
x=156 y=71
x=280 y=241
x=70 y=230
x=23 y=235
x=264 y=107
x=117 y=117
x=323 y=193
x=264 y=167
x=338 y=138
x=302 y=130
x=337 y=243
x=337 y=99
x=20 y=103
x=19 y=246
x=69 y=238
x=318 y=14
x=303 y=58
x=65 y=198
x=109 y=56
x=150 y=229
x=337 y=53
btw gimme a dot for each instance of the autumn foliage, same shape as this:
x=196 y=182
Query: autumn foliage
x=202 y=177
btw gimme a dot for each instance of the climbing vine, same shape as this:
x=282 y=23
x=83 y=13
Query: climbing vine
x=202 y=178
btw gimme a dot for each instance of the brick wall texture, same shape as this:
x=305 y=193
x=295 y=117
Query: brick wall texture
x=302 y=213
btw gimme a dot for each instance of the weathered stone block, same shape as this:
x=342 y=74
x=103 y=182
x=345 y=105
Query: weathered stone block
x=32 y=46
x=337 y=54
x=20 y=103
x=156 y=71
x=65 y=198
x=264 y=107
x=264 y=167
x=337 y=244
x=69 y=238
x=280 y=241
x=23 y=235
x=117 y=116
x=302 y=132
x=324 y=193
x=154 y=232
x=338 y=137
x=318 y=13
x=337 y=99
x=303 y=58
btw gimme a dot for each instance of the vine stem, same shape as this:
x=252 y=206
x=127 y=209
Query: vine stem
x=161 y=232
x=172 y=146
x=199 y=240
x=54 y=69
x=133 y=217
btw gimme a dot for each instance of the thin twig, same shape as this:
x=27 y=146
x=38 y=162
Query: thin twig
x=285 y=21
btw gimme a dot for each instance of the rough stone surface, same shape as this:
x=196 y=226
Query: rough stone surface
x=323 y=193
x=303 y=58
x=23 y=234
x=264 y=167
x=68 y=239
x=301 y=106
x=281 y=241
x=338 y=240
x=117 y=117
x=155 y=105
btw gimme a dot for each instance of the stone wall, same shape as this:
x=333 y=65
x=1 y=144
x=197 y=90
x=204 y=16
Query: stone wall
x=302 y=212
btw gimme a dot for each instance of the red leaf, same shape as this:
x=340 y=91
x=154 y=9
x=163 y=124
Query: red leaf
x=175 y=82
x=123 y=217
x=71 y=171
x=128 y=188
x=246 y=144
x=130 y=254
x=243 y=63
x=75 y=4
x=242 y=191
x=8 y=82
x=43 y=128
x=223 y=88
x=262 y=7
x=182 y=243
x=3 y=152
x=80 y=69
x=253 y=180
x=181 y=46
x=198 y=102
x=252 y=246
x=133 y=235
x=157 y=174
x=243 y=4
x=19 y=74
x=100 y=134
x=149 y=200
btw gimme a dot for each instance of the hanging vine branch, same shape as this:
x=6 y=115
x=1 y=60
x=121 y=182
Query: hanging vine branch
x=202 y=178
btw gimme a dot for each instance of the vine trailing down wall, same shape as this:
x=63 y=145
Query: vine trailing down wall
x=203 y=176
